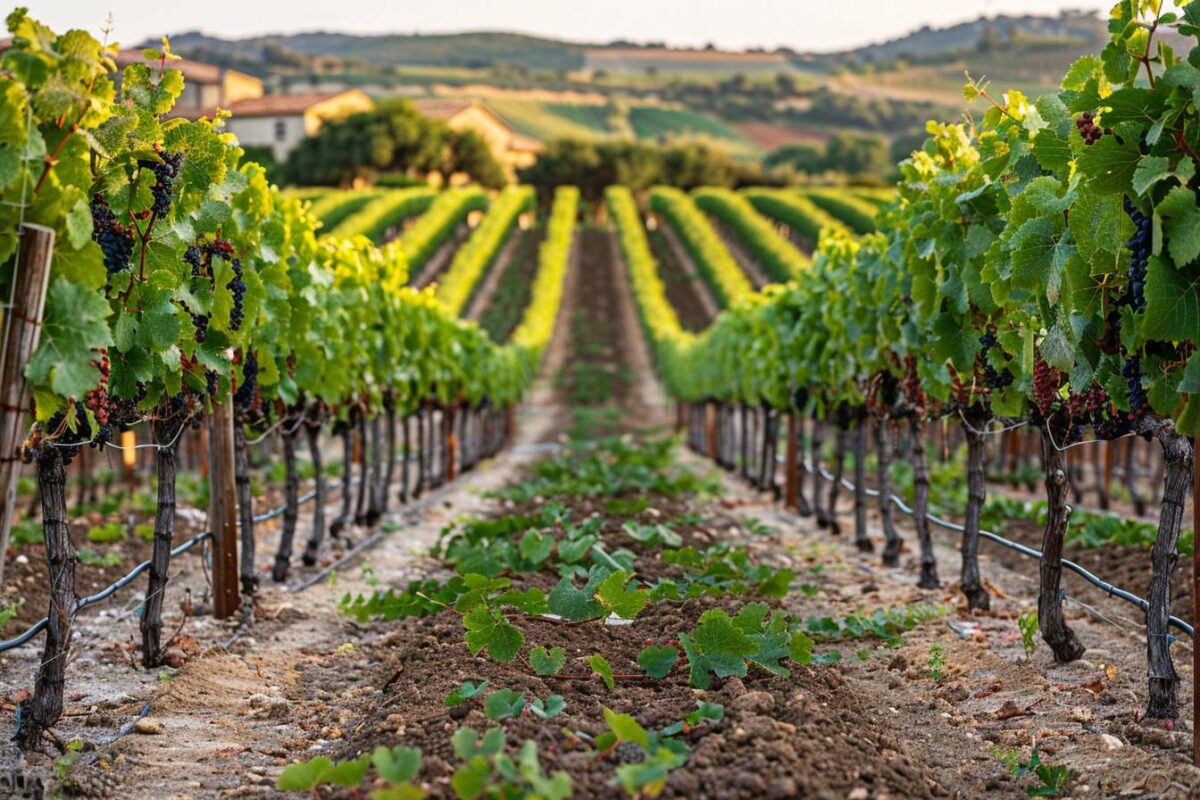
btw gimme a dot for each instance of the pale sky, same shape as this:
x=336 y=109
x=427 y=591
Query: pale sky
x=800 y=24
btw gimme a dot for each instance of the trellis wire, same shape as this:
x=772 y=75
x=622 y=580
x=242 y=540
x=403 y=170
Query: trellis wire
x=1024 y=550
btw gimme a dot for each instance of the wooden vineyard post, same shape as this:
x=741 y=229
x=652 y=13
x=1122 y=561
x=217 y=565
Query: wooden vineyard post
x=451 y=439
x=711 y=429
x=1107 y=450
x=22 y=327
x=791 y=490
x=222 y=511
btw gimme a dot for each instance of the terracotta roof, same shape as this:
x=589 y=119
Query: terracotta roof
x=442 y=107
x=269 y=105
x=193 y=71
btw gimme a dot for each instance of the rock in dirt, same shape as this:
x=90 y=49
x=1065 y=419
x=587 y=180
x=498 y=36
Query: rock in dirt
x=1111 y=742
x=174 y=658
x=148 y=727
x=756 y=702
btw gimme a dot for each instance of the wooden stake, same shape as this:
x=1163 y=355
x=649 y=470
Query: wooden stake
x=22 y=327
x=451 y=444
x=791 y=491
x=710 y=429
x=223 y=511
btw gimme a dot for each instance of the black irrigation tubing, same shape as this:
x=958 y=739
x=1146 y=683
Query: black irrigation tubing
x=108 y=591
x=1024 y=550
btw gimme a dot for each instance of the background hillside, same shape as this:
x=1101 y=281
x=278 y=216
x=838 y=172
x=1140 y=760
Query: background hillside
x=752 y=103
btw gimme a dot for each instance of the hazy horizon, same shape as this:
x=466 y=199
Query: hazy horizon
x=758 y=23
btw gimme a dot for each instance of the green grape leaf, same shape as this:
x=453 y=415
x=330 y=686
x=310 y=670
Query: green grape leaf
x=489 y=630
x=321 y=771
x=547 y=662
x=626 y=728
x=1181 y=224
x=398 y=764
x=468 y=744
x=657 y=662
x=574 y=604
x=1172 y=303
x=471 y=779
x=502 y=704
x=531 y=601
x=464 y=693
x=716 y=645
x=74 y=325
x=549 y=708
x=614 y=594
x=601 y=667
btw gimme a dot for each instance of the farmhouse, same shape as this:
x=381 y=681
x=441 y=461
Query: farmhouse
x=277 y=121
x=512 y=150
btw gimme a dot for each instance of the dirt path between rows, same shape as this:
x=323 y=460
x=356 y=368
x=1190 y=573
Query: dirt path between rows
x=495 y=273
x=747 y=262
x=441 y=258
x=700 y=286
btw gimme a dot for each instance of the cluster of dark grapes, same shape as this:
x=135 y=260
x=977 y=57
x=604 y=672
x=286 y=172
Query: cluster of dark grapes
x=115 y=239
x=247 y=391
x=211 y=383
x=1046 y=383
x=165 y=171
x=193 y=256
x=1131 y=371
x=1088 y=129
x=238 y=287
x=1094 y=407
x=1139 y=248
x=201 y=323
x=992 y=378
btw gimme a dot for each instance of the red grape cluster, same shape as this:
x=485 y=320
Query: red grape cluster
x=1088 y=128
x=1046 y=383
x=99 y=403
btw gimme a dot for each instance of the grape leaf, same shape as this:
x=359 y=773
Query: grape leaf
x=657 y=661
x=531 y=601
x=551 y=707
x=468 y=744
x=491 y=631
x=1181 y=224
x=547 y=662
x=397 y=765
x=617 y=599
x=575 y=604
x=503 y=703
x=601 y=667
x=306 y=775
x=626 y=728
x=716 y=645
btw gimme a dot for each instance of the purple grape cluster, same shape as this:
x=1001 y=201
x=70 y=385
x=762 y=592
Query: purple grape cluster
x=238 y=287
x=992 y=377
x=1139 y=246
x=165 y=172
x=1131 y=371
x=115 y=239
x=248 y=388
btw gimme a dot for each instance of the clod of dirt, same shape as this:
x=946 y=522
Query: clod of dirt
x=148 y=727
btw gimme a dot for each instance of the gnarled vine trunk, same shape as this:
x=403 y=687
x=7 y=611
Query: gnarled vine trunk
x=883 y=454
x=364 y=470
x=40 y=712
x=802 y=506
x=389 y=454
x=920 y=462
x=241 y=470
x=406 y=459
x=839 y=468
x=318 y=523
x=818 y=447
x=166 y=433
x=1055 y=631
x=861 y=540
x=343 y=518
x=1178 y=460
x=972 y=582
x=291 y=510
